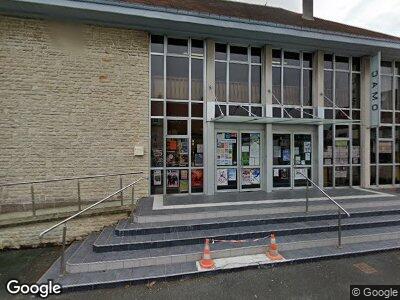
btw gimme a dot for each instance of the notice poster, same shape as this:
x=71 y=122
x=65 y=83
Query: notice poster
x=157 y=157
x=286 y=155
x=199 y=148
x=255 y=176
x=231 y=174
x=245 y=158
x=299 y=174
x=222 y=177
x=246 y=177
x=307 y=156
x=277 y=151
x=307 y=147
x=197 y=178
x=184 y=186
x=198 y=159
x=157 y=177
x=276 y=172
x=172 y=178
x=184 y=174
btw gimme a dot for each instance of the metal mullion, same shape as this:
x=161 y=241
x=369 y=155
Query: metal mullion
x=228 y=58
x=249 y=78
x=189 y=125
x=282 y=100
x=301 y=84
x=165 y=118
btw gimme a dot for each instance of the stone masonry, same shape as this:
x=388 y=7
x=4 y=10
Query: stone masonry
x=73 y=101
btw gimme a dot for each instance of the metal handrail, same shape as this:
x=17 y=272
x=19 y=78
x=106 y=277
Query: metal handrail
x=64 y=222
x=70 y=178
x=340 y=208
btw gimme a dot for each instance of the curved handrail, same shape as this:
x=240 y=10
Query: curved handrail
x=90 y=207
x=325 y=194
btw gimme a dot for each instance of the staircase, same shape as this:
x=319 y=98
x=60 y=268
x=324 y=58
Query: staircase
x=143 y=248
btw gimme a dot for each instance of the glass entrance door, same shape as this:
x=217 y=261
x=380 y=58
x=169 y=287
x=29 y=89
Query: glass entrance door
x=292 y=153
x=238 y=160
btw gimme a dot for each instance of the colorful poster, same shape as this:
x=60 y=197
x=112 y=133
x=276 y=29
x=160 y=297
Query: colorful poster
x=157 y=177
x=255 y=176
x=184 y=174
x=246 y=177
x=184 y=186
x=172 y=178
x=197 y=178
x=198 y=159
x=245 y=158
x=231 y=174
x=286 y=155
x=222 y=177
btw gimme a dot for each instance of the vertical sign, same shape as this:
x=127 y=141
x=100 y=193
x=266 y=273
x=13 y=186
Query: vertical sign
x=375 y=91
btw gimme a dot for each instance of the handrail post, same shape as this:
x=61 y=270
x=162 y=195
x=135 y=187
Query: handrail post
x=79 y=196
x=307 y=196
x=133 y=201
x=33 y=200
x=121 y=194
x=62 y=258
x=339 y=229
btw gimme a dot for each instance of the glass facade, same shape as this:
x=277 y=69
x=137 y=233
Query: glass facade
x=342 y=91
x=238 y=80
x=385 y=141
x=291 y=84
x=177 y=90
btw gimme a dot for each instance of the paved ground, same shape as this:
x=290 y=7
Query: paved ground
x=329 y=279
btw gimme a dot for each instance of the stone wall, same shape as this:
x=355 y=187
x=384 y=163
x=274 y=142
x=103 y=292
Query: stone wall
x=73 y=101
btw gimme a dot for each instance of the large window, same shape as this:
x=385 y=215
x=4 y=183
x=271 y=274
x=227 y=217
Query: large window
x=177 y=89
x=385 y=141
x=238 y=80
x=292 y=84
x=342 y=101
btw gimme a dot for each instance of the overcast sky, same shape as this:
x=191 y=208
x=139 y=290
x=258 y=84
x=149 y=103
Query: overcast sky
x=377 y=15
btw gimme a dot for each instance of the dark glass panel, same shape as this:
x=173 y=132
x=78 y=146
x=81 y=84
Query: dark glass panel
x=238 y=83
x=356 y=64
x=308 y=114
x=373 y=175
x=255 y=110
x=177 y=127
x=177 y=109
x=356 y=90
x=256 y=55
x=328 y=88
x=197 y=110
x=238 y=53
x=238 y=110
x=157 y=44
x=356 y=114
x=342 y=176
x=276 y=57
x=342 y=152
x=386 y=92
x=157 y=179
x=397 y=68
x=373 y=146
x=197 y=79
x=197 y=47
x=397 y=175
x=256 y=84
x=342 y=90
x=342 y=131
x=292 y=112
x=397 y=92
x=386 y=67
x=157 y=108
x=178 y=78
x=342 y=114
x=385 y=175
x=220 y=51
x=276 y=85
x=307 y=60
x=177 y=46
x=277 y=112
x=356 y=144
x=385 y=152
x=356 y=176
x=220 y=110
x=397 y=140
x=291 y=58
x=329 y=114
x=342 y=63
x=328 y=177
x=307 y=88
x=157 y=76
x=220 y=81
x=397 y=118
x=281 y=177
x=197 y=143
x=282 y=151
x=386 y=117
x=157 y=147
x=328 y=61
x=291 y=86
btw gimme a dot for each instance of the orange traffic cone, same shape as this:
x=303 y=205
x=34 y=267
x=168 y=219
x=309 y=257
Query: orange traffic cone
x=206 y=262
x=273 y=253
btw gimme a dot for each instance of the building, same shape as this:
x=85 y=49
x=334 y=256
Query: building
x=204 y=96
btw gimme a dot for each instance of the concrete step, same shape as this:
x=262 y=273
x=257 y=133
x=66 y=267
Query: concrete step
x=126 y=227
x=274 y=207
x=115 y=277
x=107 y=241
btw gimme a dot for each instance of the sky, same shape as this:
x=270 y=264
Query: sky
x=377 y=15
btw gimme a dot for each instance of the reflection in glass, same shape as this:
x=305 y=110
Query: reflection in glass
x=342 y=92
x=307 y=87
x=342 y=176
x=177 y=109
x=386 y=92
x=157 y=76
x=276 y=85
x=197 y=79
x=385 y=152
x=238 y=53
x=356 y=90
x=291 y=86
x=238 y=83
x=177 y=46
x=177 y=127
x=220 y=51
x=157 y=43
x=177 y=78
x=256 y=84
x=291 y=58
x=328 y=177
x=157 y=146
x=342 y=63
x=220 y=81
x=385 y=175
x=328 y=88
